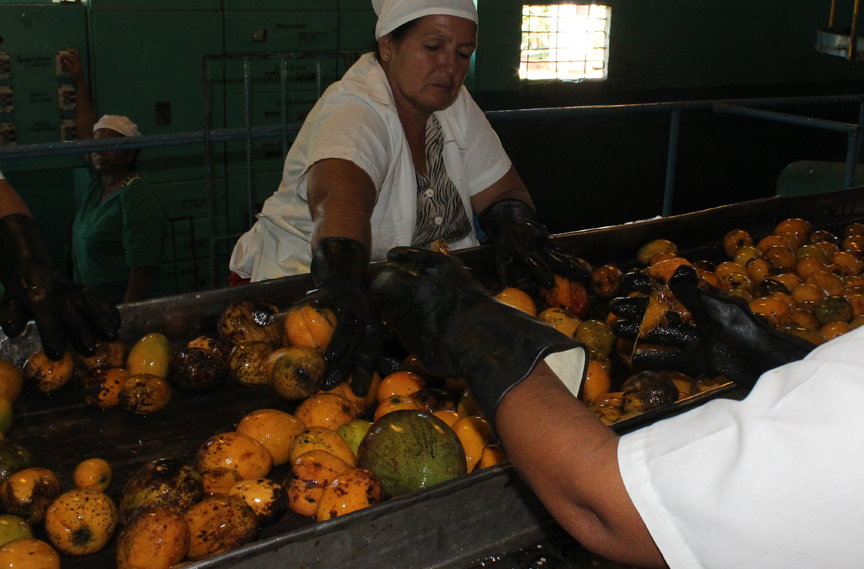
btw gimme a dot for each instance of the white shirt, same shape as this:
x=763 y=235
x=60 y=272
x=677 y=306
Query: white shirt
x=774 y=480
x=356 y=120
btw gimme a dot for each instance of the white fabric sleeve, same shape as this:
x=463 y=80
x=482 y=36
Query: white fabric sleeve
x=769 y=481
x=485 y=159
x=350 y=130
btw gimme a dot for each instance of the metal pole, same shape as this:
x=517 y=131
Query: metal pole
x=853 y=32
x=831 y=17
x=671 y=163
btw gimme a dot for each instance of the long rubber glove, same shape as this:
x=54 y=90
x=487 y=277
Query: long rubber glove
x=522 y=243
x=36 y=290
x=340 y=271
x=457 y=330
x=727 y=339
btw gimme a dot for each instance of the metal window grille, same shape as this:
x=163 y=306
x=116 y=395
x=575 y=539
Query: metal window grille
x=568 y=42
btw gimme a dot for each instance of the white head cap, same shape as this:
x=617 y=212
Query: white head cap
x=118 y=124
x=394 y=13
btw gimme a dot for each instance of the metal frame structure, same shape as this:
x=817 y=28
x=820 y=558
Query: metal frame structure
x=753 y=108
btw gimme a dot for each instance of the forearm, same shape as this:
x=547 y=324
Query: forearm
x=85 y=116
x=341 y=200
x=569 y=458
x=140 y=280
x=10 y=201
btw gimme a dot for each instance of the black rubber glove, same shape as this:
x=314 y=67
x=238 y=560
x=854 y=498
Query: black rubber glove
x=340 y=269
x=522 y=243
x=457 y=330
x=36 y=290
x=727 y=339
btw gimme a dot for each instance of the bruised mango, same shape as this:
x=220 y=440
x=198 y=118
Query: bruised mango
x=144 y=394
x=219 y=481
x=161 y=483
x=156 y=539
x=28 y=493
x=325 y=410
x=81 y=522
x=267 y=498
x=311 y=472
x=102 y=387
x=247 y=321
x=352 y=490
x=46 y=375
x=298 y=373
x=321 y=438
x=233 y=450
x=219 y=524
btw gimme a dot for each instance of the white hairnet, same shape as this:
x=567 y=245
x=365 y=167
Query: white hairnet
x=394 y=13
x=118 y=124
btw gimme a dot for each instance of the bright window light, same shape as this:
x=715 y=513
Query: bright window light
x=566 y=41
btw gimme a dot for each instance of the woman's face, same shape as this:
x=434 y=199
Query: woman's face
x=427 y=67
x=111 y=161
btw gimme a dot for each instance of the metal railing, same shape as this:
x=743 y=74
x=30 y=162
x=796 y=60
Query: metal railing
x=753 y=108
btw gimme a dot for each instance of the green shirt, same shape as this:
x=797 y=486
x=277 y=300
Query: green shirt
x=124 y=231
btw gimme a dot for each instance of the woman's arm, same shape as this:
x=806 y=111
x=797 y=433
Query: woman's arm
x=509 y=187
x=85 y=116
x=341 y=199
x=569 y=458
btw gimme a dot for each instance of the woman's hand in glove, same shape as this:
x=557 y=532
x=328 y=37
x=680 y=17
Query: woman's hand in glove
x=340 y=271
x=457 y=330
x=36 y=290
x=727 y=339
x=522 y=244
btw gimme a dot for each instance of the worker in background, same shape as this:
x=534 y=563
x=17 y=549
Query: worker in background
x=395 y=153
x=118 y=230
x=769 y=481
x=35 y=289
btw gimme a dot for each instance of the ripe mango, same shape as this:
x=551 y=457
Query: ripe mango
x=151 y=354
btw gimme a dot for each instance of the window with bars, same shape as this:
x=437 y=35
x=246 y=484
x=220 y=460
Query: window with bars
x=569 y=42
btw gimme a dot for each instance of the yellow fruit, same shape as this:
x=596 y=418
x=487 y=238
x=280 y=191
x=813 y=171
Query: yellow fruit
x=311 y=472
x=492 y=455
x=597 y=381
x=561 y=320
x=352 y=490
x=399 y=383
x=219 y=524
x=47 y=375
x=274 y=429
x=321 y=438
x=156 y=539
x=233 y=450
x=395 y=403
x=144 y=394
x=93 y=474
x=81 y=522
x=28 y=553
x=151 y=354
x=219 y=481
x=474 y=434
x=325 y=410
x=449 y=417
x=309 y=326
x=11 y=380
x=102 y=388
x=517 y=299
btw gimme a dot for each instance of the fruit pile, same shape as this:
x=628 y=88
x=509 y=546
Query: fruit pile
x=799 y=280
x=342 y=452
x=322 y=454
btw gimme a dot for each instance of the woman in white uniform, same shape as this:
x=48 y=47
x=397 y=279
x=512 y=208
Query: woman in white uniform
x=395 y=153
